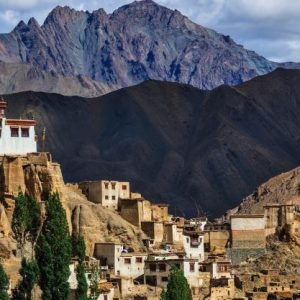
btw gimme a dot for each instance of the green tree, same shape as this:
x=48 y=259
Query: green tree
x=78 y=247
x=18 y=293
x=163 y=295
x=4 y=284
x=178 y=287
x=34 y=222
x=45 y=260
x=53 y=252
x=79 y=251
x=20 y=221
x=26 y=220
x=30 y=273
x=82 y=286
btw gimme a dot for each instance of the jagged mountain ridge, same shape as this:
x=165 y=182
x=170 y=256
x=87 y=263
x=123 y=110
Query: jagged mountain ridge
x=139 y=41
x=20 y=77
x=198 y=150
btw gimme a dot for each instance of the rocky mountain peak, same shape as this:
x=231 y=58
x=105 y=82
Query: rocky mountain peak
x=136 y=42
x=63 y=14
x=33 y=23
x=20 y=27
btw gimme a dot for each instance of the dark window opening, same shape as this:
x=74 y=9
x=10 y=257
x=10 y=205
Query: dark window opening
x=25 y=132
x=14 y=132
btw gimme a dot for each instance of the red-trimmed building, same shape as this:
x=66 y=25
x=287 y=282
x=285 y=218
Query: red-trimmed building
x=17 y=136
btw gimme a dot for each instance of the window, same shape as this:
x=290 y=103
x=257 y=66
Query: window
x=192 y=267
x=164 y=279
x=14 y=132
x=152 y=267
x=162 y=267
x=106 y=197
x=124 y=187
x=24 y=132
x=138 y=260
x=113 y=197
x=113 y=185
x=127 y=261
x=106 y=185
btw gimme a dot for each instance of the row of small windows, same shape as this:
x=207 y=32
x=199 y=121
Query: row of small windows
x=112 y=197
x=15 y=132
x=113 y=186
x=137 y=260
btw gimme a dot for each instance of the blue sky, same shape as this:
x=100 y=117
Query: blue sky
x=269 y=27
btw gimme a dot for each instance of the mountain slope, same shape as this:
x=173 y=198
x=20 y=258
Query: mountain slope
x=19 y=77
x=199 y=150
x=139 y=41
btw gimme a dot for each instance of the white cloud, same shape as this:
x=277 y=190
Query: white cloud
x=10 y=16
x=270 y=27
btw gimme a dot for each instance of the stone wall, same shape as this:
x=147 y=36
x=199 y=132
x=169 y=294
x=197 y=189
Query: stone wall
x=131 y=211
x=217 y=240
x=238 y=255
x=155 y=230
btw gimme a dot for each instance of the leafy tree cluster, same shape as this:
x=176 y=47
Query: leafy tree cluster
x=26 y=220
x=53 y=252
x=178 y=287
x=4 y=284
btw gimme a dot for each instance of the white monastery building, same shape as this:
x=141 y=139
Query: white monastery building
x=17 y=137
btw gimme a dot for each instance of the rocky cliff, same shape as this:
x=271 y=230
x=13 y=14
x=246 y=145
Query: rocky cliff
x=283 y=188
x=197 y=150
x=139 y=41
x=37 y=175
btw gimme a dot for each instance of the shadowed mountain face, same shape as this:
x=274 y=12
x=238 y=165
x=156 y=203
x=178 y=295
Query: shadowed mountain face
x=194 y=149
x=138 y=41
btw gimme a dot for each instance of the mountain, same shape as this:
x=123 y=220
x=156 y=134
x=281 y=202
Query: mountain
x=139 y=41
x=199 y=150
x=19 y=77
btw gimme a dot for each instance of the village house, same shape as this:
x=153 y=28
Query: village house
x=120 y=262
x=109 y=254
x=105 y=192
x=280 y=216
x=193 y=242
x=140 y=210
x=157 y=269
x=17 y=136
x=217 y=266
x=222 y=288
x=247 y=237
x=217 y=237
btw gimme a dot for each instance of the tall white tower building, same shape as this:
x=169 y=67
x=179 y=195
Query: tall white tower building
x=17 y=137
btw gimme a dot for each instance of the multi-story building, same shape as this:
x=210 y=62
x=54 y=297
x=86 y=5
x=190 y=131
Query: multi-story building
x=247 y=237
x=119 y=261
x=105 y=192
x=193 y=242
x=157 y=270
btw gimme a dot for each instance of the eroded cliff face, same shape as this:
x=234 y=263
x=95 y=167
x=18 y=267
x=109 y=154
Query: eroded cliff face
x=37 y=175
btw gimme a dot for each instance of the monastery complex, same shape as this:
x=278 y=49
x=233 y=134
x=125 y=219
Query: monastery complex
x=207 y=252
